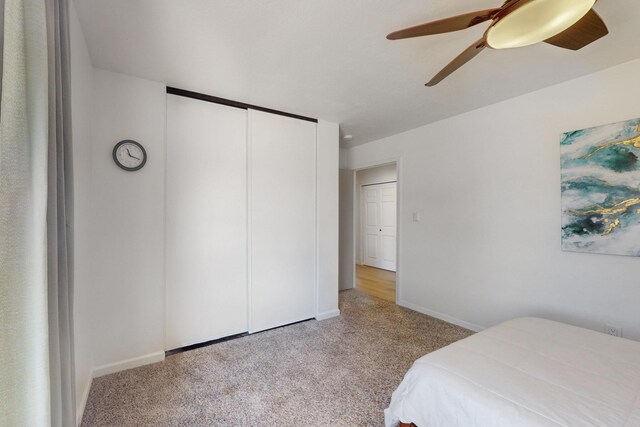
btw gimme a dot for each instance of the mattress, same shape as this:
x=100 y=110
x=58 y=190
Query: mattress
x=521 y=373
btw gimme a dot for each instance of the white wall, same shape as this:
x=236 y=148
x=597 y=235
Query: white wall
x=81 y=109
x=344 y=158
x=374 y=175
x=347 y=236
x=128 y=223
x=328 y=218
x=487 y=184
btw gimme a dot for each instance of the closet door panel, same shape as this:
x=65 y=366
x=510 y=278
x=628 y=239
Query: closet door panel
x=283 y=220
x=206 y=222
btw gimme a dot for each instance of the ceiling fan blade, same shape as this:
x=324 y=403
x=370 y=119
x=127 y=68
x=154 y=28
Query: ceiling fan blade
x=587 y=30
x=459 y=61
x=446 y=25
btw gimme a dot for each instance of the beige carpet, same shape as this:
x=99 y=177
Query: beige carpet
x=337 y=372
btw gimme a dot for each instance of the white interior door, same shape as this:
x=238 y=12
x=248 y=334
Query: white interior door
x=283 y=220
x=379 y=225
x=206 y=222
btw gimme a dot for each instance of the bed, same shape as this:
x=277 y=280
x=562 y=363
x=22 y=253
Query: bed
x=521 y=373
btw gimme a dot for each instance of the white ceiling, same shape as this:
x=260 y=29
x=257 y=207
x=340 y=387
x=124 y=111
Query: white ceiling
x=329 y=58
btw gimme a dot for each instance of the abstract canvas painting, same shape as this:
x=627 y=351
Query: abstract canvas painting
x=600 y=169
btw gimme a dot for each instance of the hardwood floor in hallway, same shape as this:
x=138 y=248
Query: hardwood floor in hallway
x=376 y=282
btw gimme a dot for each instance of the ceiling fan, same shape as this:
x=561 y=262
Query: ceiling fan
x=570 y=24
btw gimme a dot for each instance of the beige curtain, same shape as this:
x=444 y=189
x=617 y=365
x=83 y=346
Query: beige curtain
x=60 y=219
x=36 y=346
x=24 y=133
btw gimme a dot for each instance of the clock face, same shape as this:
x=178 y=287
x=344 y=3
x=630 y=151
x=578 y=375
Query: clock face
x=129 y=155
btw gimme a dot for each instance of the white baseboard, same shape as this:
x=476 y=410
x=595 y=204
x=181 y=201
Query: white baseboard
x=112 y=368
x=128 y=364
x=441 y=316
x=83 y=402
x=328 y=314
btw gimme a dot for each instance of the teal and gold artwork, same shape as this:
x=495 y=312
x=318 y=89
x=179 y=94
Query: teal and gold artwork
x=600 y=173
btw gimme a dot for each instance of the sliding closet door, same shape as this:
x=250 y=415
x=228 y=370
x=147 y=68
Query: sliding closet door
x=206 y=221
x=283 y=220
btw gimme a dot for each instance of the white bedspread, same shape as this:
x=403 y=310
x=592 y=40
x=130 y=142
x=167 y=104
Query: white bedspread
x=521 y=373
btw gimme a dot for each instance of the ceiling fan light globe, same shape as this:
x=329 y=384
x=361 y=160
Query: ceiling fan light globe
x=536 y=21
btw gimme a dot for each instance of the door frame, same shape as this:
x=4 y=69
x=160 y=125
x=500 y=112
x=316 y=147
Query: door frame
x=399 y=197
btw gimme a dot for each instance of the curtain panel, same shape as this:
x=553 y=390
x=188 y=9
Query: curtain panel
x=36 y=289
x=60 y=219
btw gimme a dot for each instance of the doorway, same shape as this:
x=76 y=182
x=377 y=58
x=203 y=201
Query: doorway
x=376 y=230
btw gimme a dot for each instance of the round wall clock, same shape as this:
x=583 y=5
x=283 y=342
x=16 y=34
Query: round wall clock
x=129 y=155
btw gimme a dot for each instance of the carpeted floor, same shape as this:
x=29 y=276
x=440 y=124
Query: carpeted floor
x=337 y=372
